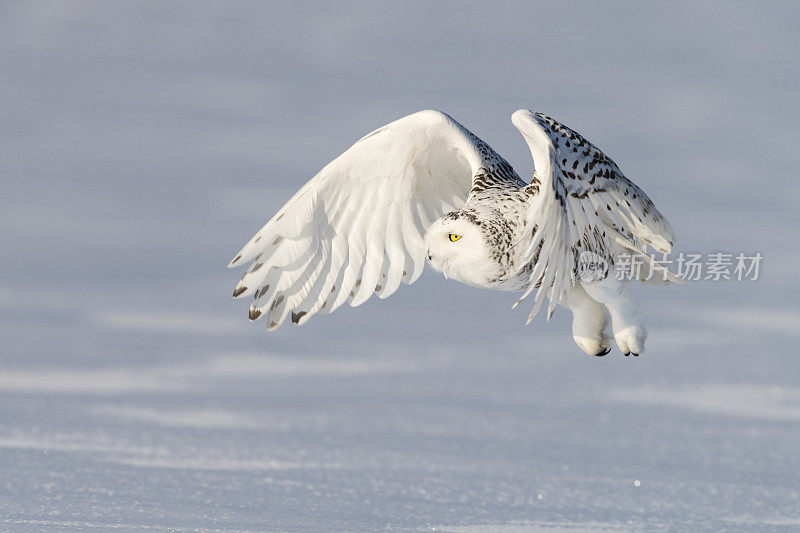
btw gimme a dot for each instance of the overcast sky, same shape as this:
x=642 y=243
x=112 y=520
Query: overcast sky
x=143 y=143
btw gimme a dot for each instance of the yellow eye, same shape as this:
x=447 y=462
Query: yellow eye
x=454 y=237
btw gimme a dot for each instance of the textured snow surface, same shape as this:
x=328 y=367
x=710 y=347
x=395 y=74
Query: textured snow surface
x=142 y=144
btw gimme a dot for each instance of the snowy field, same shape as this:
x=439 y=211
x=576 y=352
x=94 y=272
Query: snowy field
x=142 y=143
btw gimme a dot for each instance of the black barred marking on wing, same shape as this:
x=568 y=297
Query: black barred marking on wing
x=606 y=168
x=499 y=204
x=496 y=173
x=498 y=196
x=498 y=177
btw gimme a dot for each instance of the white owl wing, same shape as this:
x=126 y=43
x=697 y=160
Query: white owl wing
x=584 y=203
x=357 y=227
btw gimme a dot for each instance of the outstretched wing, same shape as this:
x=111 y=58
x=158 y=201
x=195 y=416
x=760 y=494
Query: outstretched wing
x=584 y=203
x=357 y=227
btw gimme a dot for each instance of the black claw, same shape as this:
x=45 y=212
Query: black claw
x=635 y=354
x=601 y=353
x=627 y=354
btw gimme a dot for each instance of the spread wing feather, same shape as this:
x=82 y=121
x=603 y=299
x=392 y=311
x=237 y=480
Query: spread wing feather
x=357 y=227
x=584 y=203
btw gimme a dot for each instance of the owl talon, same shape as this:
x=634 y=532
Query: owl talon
x=457 y=202
x=631 y=340
x=592 y=346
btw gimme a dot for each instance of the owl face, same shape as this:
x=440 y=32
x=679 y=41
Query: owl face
x=457 y=248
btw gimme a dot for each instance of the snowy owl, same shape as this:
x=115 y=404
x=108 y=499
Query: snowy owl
x=426 y=188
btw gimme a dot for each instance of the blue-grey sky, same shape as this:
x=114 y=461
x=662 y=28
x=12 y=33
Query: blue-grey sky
x=142 y=143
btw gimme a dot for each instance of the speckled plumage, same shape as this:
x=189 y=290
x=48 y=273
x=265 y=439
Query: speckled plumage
x=357 y=227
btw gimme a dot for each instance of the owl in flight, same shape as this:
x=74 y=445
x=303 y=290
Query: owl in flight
x=426 y=188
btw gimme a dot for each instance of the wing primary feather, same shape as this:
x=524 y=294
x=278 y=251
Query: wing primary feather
x=394 y=254
x=583 y=200
x=355 y=229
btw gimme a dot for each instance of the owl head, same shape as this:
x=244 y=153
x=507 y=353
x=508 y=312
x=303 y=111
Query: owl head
x=458 y=248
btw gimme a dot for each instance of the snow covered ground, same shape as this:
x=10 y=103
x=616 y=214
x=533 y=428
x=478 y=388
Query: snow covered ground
x=142 y=144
